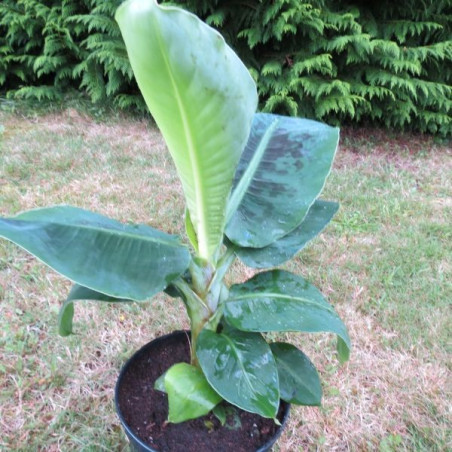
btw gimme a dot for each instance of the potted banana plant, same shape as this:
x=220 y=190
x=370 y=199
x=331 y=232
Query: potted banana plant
x=251 y=183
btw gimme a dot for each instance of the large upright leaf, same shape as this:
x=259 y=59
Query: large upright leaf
x=281 y=301
x=318 y=216
x=241 y=368
x=123 y=261
x=202 y=98
x=284 y=181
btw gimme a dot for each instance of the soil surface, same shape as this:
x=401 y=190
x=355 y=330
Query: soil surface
x=145 y=409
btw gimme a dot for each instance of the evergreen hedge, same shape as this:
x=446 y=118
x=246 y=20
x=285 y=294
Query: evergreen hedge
x=385 y=62
x=50 y=46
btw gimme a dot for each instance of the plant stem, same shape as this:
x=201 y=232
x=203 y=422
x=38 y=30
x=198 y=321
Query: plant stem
x=198 y=312
x=203 y=295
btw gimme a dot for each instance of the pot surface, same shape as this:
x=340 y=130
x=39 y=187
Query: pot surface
x=143 y=410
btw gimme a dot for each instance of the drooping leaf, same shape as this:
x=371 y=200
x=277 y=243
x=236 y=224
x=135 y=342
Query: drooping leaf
x=66 y=314
x=241 y=368
x=318 y=216
x=343 y=350
x=289 y=177
x=65 y=318
x=299 y=381
x=189 y=393
x=123 y=261
x=281 y=301
x=202 y=98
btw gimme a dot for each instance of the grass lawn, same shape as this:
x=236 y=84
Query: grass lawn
x=384 y=262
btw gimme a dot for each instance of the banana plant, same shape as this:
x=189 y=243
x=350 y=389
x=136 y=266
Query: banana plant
x=251 y=183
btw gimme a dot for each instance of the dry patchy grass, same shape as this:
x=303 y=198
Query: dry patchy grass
x=384 y=263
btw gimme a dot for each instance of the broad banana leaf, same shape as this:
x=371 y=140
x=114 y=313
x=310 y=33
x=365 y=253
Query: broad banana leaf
x=282 y=171
x=241 y=368
x=281 y=301
x=299 y=381
x=283 y=249
x=202 y=98
x=123 y=261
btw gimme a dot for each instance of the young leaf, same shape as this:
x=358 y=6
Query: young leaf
x=228 y=416
x=299 y=381
x=220 y=413
x=281 y=301
x=343 y=350
x=123 y=261
x=241 y=368
x=189 y=394
x=291 y=174
x=280 y=251
x=202 y=98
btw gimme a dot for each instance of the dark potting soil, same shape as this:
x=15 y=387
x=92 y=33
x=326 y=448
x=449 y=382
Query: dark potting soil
x=145 y=409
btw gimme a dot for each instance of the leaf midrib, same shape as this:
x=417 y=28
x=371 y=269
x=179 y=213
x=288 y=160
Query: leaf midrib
x=238 y=356
x=280 y=296
x=237 y=353
x=289 y=370
x=116 y=232
x=199 y=192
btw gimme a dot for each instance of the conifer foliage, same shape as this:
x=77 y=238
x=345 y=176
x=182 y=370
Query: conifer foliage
x=383 y=62
x=343 y=60
x=49 y=46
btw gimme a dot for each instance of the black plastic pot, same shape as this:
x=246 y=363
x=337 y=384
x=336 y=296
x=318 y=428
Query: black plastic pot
x=137 y=444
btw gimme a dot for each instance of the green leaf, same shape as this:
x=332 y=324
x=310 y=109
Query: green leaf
x=343 y=350
x=123 y=261
x=189 y=394
x=290 y=175
x=65 y=318
x=318 y=216
x=66 y=314
x=202 y=98
x=241 y=368
x=281 y=301
x=299 y=381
